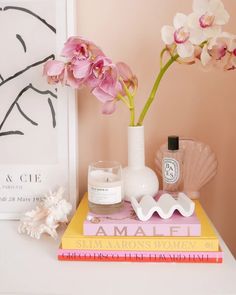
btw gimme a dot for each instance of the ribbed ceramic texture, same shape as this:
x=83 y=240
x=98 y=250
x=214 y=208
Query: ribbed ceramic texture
x=139 y=180
x=199 y=167
x=136 y=149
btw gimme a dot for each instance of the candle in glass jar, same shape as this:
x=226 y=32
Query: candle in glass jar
x=105 y=187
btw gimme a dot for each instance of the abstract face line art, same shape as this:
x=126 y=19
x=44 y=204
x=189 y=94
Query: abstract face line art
x=22 y=76
x=21 y=41
x=26 y=69
x=16 y=104
x=32 y=13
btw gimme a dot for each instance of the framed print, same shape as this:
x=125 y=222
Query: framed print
x=38 y=122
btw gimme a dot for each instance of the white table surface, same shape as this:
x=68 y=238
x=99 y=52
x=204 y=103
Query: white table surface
x=30 y=267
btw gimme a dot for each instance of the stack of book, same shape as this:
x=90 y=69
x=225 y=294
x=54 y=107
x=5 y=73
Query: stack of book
x=122 y=237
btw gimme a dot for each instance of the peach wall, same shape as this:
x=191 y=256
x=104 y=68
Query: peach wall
x=190 y=102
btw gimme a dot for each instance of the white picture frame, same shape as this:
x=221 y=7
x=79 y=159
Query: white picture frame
x=36 y=157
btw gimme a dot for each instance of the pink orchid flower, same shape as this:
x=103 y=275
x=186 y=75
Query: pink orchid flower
x=207 y=18
x=181 y=36
x=127 y=76
x=103 y=79
x=81 y=54
x=80 y=48
x=55 y=71
x=220 y=51
x=99 y=69
x=231 y=61
x=81 y=69
x=109 y=86
x=70 y=78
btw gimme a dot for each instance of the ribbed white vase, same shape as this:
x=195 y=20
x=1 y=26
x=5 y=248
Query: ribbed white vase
x=139 y=180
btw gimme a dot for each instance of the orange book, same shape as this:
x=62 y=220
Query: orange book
x=134 y=256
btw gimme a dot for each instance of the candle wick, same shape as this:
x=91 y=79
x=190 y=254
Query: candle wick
x=107 y=179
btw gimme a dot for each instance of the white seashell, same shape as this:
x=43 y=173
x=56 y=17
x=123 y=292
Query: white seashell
x=46 y=217
x=199 y=167
x=165 y=206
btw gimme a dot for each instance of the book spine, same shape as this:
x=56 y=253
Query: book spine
x=178 y=257
x=141 y=244
x=177 y=230
x=208 y=254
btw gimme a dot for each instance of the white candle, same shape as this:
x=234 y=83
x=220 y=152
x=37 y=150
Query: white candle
x=104 y=188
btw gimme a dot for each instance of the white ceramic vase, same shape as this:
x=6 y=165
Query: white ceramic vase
x=139 y=180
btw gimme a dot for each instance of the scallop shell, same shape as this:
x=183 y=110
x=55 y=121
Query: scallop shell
x=199 y=167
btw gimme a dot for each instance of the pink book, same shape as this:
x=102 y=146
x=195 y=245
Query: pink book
x=126 y=223
x=137 y=256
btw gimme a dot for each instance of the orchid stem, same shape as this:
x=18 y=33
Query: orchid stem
x=155 y=87
x=131 y=104
x=132 y=116
x=161 y=56
x=132 y=110
x=119 y=96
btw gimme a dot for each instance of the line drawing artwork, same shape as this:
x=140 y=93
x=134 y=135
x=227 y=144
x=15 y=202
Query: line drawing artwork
x=16 y=103
x=21 y=41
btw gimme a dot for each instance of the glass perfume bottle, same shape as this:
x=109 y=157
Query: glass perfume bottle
x=172 y=167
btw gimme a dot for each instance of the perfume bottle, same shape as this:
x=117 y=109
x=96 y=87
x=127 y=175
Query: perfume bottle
x=172 y=167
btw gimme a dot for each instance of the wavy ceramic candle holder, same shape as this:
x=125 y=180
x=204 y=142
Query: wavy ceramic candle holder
x=165 y=206
x=199 y=167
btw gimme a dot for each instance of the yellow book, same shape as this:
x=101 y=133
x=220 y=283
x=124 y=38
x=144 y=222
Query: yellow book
x=73 y=237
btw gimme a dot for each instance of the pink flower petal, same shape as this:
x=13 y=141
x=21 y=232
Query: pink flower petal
x=185 y=50
x=96 y=50
x=215 y=6
x=109 y=107
x=102 y=95
x=110 y=81
x=193 y=20
x=124 y=71
x=231 y=63
x=200 y=6
x=119 y=88
x=206 y=20
x=205 y=56
x=69 y=47
x=100 y=68
x=181 y=35
x=53 y=68
x=219 y=51
x=80 y=46
x=221 y=17
x=71 y=80
x=108 y=85
x=197 y=36
x=130 y=80
x=167 y=34
x=180 y=20
x=82 y=70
